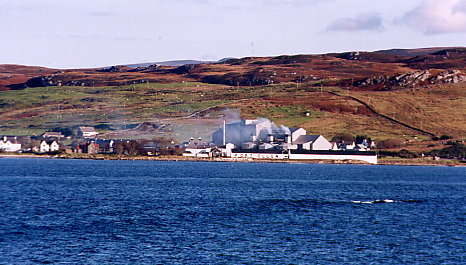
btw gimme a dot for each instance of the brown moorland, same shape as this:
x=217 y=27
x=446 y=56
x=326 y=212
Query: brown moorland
x=385 y=95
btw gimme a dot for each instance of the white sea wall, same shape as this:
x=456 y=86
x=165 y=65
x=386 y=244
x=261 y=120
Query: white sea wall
x=372 y=159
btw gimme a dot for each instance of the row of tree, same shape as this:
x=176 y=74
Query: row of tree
x=159 y=146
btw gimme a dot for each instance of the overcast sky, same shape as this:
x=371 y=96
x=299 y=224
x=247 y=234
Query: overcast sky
x=92 y=33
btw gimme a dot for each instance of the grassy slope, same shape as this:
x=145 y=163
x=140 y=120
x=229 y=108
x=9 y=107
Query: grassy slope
x=438 y=109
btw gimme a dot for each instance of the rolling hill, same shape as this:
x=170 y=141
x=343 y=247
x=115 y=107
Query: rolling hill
x=409 y=95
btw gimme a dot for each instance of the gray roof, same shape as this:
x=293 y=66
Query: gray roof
x=87 y=129
x=306 y=139
x=53 y=134
x=294 y=129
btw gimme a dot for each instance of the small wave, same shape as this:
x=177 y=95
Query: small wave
x=384 y=201
x=375 y=201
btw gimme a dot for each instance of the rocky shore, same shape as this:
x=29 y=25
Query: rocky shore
x=382 y=161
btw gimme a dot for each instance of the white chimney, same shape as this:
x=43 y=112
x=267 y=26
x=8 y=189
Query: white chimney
x=224 y=132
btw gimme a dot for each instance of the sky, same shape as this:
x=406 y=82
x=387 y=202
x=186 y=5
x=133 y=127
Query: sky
x=97 y=33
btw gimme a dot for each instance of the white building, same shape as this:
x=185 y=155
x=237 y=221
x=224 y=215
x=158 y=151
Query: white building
x=10 y=145
x=296 y=132
x=312 y=142
x=48 y=146
x=254 y=131
x=241 y=132
x=87 y=132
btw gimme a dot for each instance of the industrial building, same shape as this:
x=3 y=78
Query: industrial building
x=262 y=139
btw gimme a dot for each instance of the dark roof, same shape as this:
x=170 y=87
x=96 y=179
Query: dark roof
x=49 y=142
x=193 y=145
x=294 y=129
x=306 y=139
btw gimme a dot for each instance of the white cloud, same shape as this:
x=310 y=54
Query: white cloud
x=437 y=16
x=366 y=21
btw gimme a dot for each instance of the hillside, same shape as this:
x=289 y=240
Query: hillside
x=380 y=95
x=11 y=74
x=360 y=70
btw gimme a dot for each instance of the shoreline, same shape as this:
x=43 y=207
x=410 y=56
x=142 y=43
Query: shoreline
x=381 y=161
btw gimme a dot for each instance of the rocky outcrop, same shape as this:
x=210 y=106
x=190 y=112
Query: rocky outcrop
x=403 y=80
x=412 y=79
x=350 y=55
x=372 y=81
x=41 y=81
x=184 y=69
x=115 y=69
x=255 y=77
x=449 y=77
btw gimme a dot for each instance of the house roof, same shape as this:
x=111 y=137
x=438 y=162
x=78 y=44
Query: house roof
x=12 y=139
x=193 y=145
x=306 y=139
x=87 y=129
x=49 y=142
x=53 y=134
x=294 y=129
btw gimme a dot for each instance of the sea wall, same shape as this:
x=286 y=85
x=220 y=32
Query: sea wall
x=369 y=158
x=372 y=159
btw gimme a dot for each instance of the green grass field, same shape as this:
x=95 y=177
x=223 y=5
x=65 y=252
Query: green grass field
x=32 y=111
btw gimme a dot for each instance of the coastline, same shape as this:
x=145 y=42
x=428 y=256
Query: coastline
x=381 y=161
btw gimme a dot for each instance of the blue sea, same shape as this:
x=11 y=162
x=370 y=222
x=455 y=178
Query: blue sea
x=154 y=212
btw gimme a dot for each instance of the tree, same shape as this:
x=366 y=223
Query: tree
x=63 y=130
x=456 y=150
x=119 y=148
x=132 y=147
x=360 y=139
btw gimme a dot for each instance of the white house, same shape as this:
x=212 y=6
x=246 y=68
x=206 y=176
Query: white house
x=48 y=146
x=296 y=132
x=361 y=147
x=312 y=142
x=87 y=132
x=347 y=146
x=7 y=145
x=194 y=149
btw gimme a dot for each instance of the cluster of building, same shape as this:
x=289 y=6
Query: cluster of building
x=263 y=139
x=251 y=139
x=49 y=142
x=86 y=141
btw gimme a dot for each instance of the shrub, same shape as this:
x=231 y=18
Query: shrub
x=360 y=139
x=456 y=150
x=387 y=153
x=407 y=154
x=63 y=130
x=390 y=143
x=445 y=137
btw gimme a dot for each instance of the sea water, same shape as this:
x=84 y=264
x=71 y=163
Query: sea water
x=141 y=212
